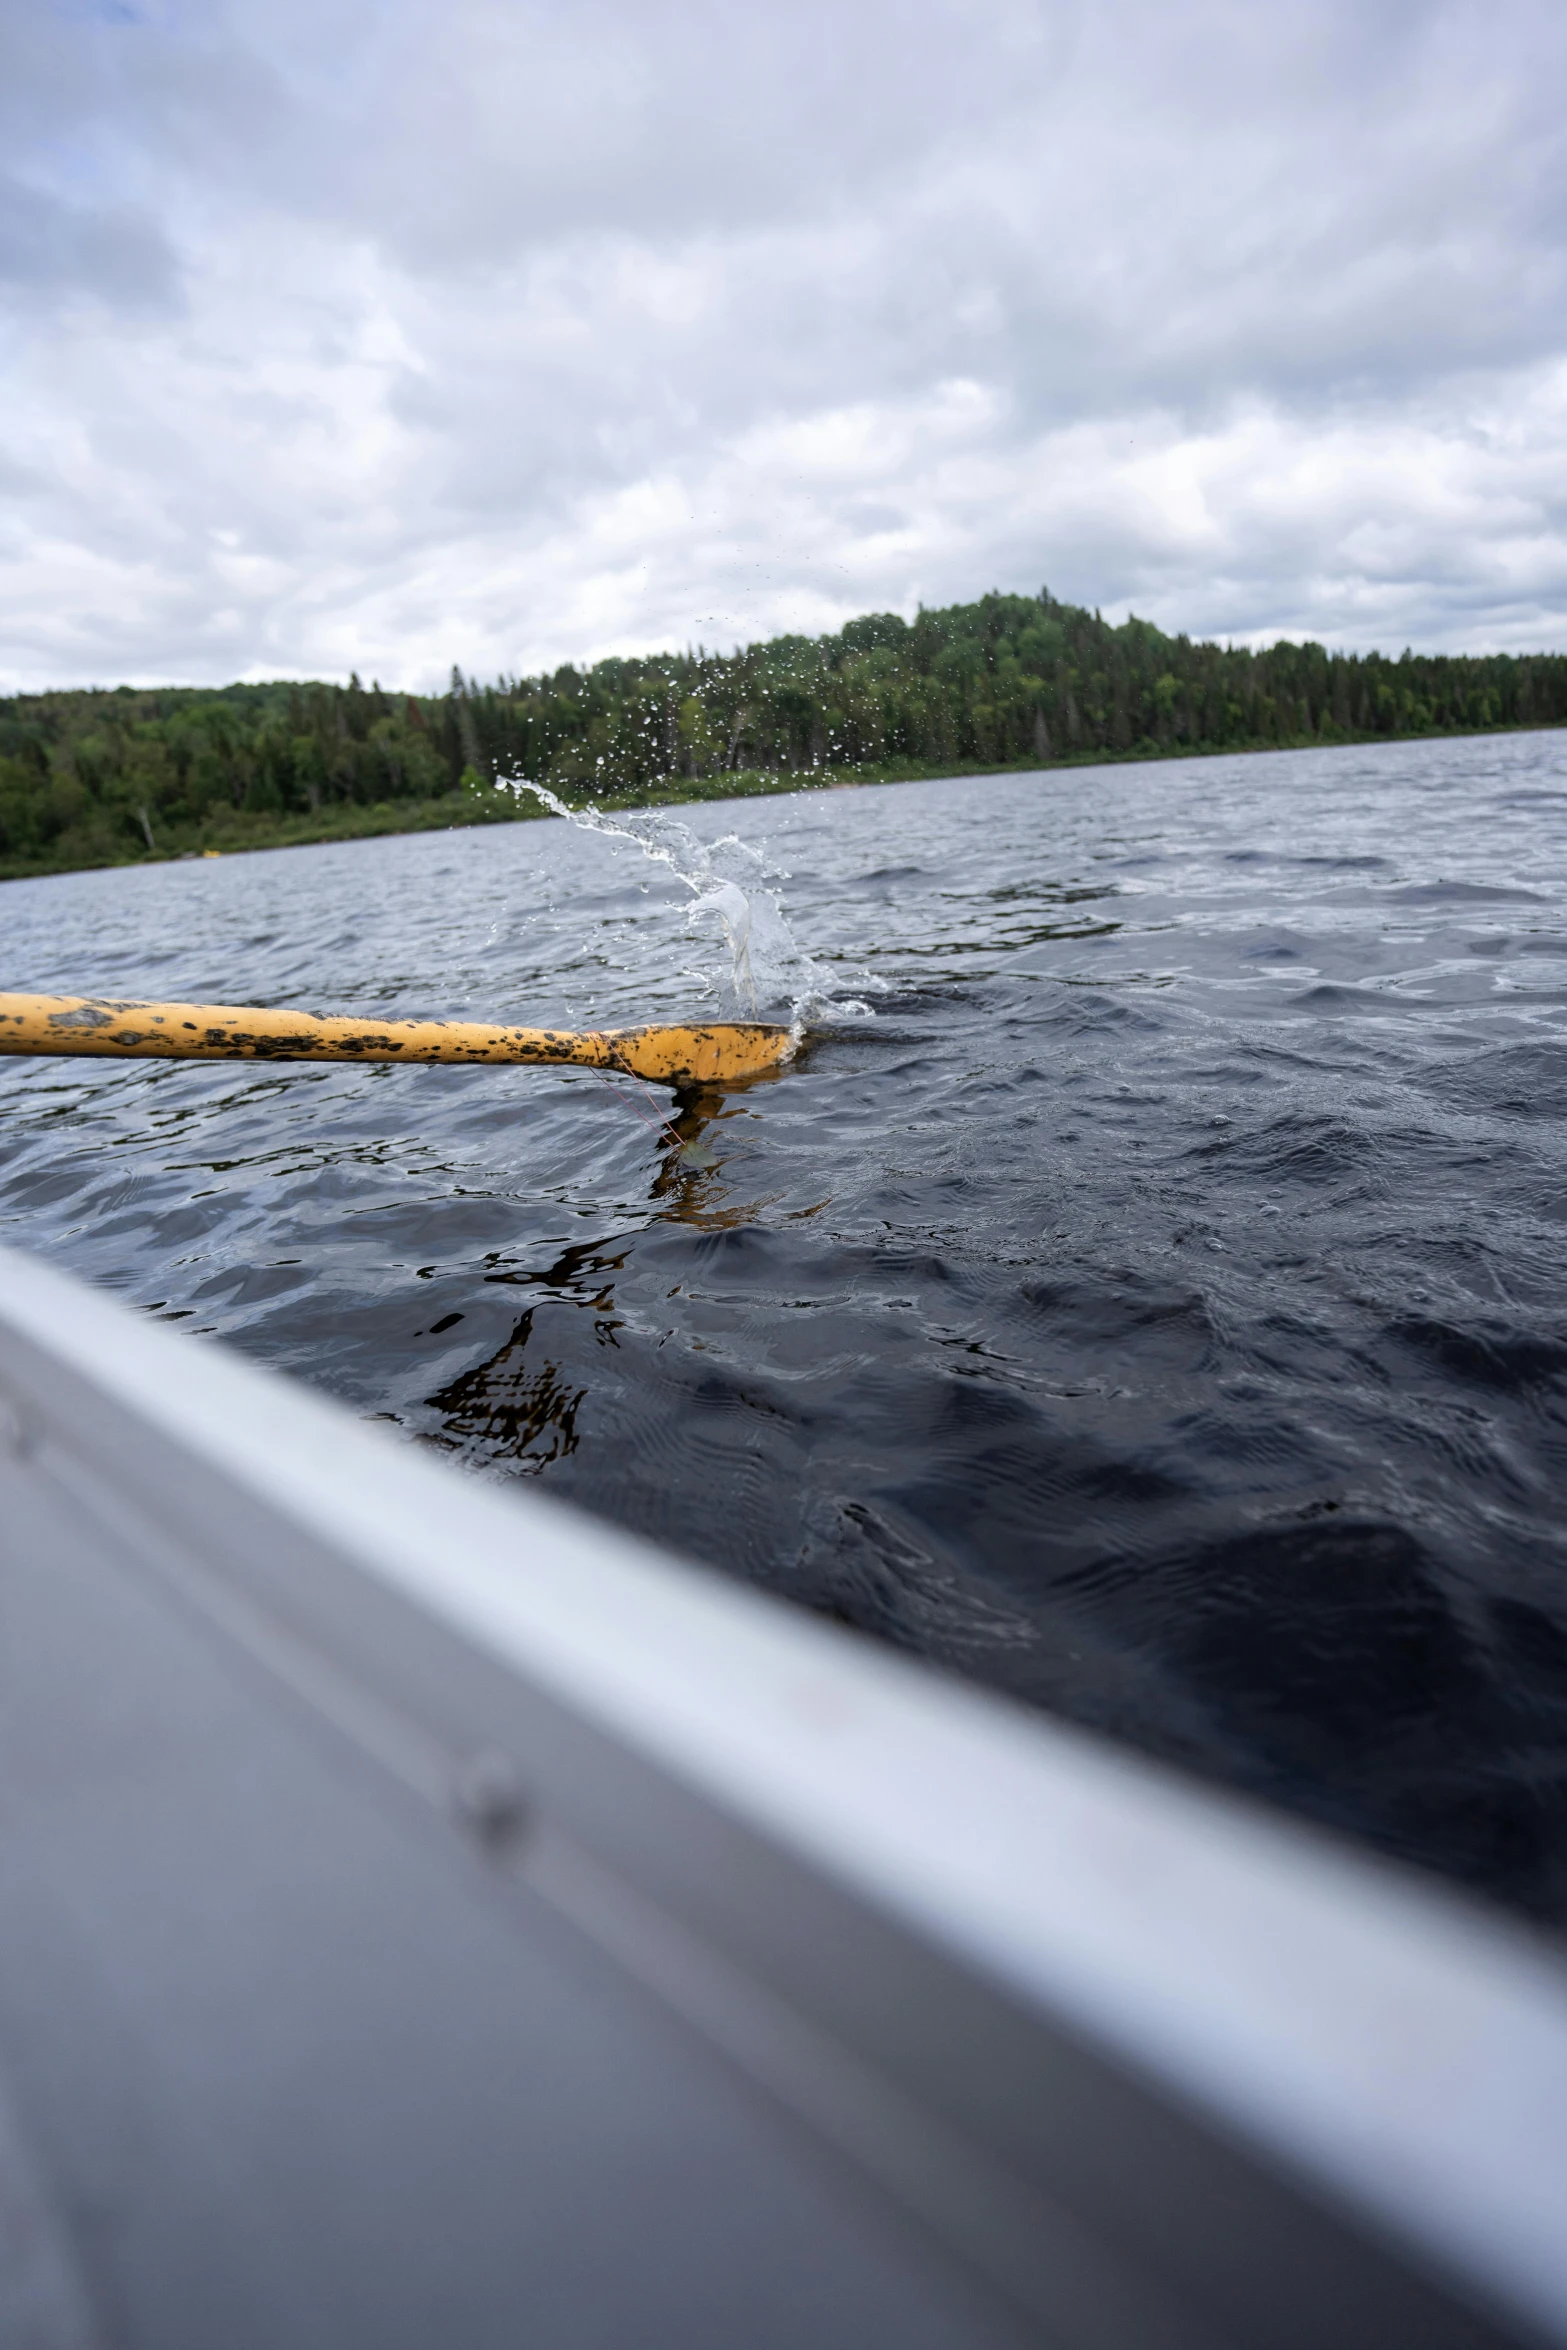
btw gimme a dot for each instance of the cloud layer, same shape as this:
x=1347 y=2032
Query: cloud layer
x=507 y=331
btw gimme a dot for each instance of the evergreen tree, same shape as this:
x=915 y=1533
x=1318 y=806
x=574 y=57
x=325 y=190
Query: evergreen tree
x=99 y=777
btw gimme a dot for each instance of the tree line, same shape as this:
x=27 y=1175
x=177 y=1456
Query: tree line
x=97 y=777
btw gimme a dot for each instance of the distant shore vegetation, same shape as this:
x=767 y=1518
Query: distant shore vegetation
x=109 y=777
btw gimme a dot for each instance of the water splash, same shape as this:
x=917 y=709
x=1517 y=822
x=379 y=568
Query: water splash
x=730 y=884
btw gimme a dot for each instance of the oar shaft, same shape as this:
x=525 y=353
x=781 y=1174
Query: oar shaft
x=97 y=1026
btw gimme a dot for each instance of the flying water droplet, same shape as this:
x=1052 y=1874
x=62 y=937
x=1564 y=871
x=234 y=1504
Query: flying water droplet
x=729 y=884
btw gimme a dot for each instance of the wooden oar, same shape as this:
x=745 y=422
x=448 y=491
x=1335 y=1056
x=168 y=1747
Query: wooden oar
x=715 y=1054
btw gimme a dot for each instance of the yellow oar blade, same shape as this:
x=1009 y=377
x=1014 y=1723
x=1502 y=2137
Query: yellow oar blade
x=716 y=1054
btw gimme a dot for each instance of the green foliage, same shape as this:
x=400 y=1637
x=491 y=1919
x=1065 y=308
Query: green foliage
x=96 y=778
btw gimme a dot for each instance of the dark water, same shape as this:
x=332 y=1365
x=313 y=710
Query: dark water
x=1156 y=1309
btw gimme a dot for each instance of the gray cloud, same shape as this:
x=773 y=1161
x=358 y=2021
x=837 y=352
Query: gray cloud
x=48 y=247
x=501 y=331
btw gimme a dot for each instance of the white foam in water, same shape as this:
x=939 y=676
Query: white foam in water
x=727 y=880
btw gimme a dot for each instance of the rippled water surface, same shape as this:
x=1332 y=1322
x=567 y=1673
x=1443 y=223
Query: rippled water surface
x=1154 y=1307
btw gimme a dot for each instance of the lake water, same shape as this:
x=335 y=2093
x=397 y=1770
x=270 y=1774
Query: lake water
x=1152 y=1303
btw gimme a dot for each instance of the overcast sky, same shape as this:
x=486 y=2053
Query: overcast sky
x=383 y=334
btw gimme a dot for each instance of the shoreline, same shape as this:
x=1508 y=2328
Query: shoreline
x=239 y=834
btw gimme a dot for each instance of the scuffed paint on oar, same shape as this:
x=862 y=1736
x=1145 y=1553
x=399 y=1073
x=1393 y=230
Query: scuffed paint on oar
x=715 y=1054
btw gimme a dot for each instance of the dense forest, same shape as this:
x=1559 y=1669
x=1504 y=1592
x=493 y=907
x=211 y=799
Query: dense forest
x=102 y=777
